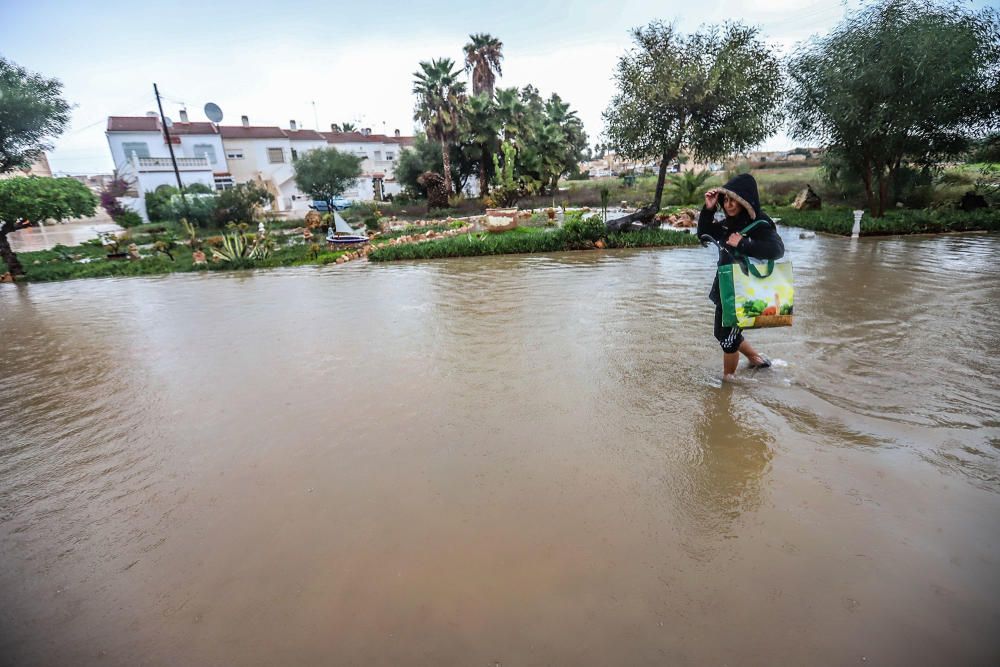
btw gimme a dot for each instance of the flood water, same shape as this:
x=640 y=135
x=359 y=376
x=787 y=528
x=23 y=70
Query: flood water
x=520 y=460
x=49 y=235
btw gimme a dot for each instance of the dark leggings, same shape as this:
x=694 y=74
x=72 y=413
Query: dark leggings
x=729 y=337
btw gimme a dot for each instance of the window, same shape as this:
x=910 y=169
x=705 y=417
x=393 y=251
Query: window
x=295 y=155
x=275 y=155
x=234 y=154
x=205 y=151
x=390 y=155
x=378 y=155
x=223 y=183
x=140 y=148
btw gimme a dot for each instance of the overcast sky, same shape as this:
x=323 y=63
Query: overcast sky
x=355 y=61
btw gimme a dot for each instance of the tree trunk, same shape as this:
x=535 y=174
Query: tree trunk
x=644 y=216
x=447 y=168
x=7 y=254
x=866 y=176
x=661 y=178
x=483 y=185
x=883 y=193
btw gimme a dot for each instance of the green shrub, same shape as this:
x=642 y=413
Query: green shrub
x=840 y=221
x=128 y=219
x=527 y=240
x=241 y=203
x=650 y=238
x=578 y=231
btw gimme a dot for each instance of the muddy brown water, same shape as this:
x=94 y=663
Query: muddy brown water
x=520 y=460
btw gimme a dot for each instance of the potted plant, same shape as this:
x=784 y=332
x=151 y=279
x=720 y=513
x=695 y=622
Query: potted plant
x=112 y=245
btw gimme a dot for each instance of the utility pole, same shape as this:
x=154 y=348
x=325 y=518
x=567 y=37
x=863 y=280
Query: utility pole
x=315 y=117
x=170 y=146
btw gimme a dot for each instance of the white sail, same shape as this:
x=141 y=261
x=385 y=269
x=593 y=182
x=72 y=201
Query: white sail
x=341 y=226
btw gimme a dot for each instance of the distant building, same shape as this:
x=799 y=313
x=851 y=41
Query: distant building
x=380 y=154
x=40 y=167
x=220 y=156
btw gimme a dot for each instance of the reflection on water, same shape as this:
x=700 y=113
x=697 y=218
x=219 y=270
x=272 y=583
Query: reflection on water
x=45 y=236
x=735 y=449
x=522 y=460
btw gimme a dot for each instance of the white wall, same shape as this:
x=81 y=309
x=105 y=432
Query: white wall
x=188 y=142
x=367 y=150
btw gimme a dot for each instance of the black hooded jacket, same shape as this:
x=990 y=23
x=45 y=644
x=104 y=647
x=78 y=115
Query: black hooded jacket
x=762 y=242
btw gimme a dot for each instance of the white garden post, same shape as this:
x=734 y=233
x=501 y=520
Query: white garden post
x=856 y=230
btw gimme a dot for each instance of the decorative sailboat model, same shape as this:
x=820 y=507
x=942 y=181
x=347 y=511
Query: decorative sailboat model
x=342 y=234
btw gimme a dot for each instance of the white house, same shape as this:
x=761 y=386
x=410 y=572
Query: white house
x=221 y=155
x=142 y=157
x=380 y=154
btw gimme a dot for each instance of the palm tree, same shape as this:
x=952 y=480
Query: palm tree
x=482 y=57
x=686 y=187
x=440 y=99
x=511 y=111
x=483 y=128
x=344 y=127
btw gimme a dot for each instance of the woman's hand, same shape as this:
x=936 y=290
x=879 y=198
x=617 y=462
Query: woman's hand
x=734 y=239
x=711 y=198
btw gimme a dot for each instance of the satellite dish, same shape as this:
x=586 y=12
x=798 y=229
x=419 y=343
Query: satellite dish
x=168 y=122
x=213 y=112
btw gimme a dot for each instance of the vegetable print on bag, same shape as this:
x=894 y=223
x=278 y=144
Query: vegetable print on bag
x=756 y=294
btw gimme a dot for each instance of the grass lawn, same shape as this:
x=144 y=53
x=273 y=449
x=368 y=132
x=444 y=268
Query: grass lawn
x=840 y=221
x=63 y=263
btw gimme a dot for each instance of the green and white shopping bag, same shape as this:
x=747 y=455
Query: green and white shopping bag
x=756 y=293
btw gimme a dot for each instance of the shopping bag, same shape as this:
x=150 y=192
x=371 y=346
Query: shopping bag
x=756 y=294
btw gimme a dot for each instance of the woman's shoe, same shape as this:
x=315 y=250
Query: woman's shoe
x=763 y=363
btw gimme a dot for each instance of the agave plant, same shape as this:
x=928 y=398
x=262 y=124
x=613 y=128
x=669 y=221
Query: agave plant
x=234 y=247
x=192 y=234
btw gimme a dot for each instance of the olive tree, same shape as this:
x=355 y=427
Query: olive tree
x=325 y=173
x=710 y=94
x=32 y=111
x=901 y=81
x=27 y=201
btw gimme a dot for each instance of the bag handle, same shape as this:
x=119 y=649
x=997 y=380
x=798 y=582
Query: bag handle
x=748 y=265
x=756 y=273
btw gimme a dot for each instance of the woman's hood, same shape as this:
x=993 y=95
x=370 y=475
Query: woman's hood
x=743 y=188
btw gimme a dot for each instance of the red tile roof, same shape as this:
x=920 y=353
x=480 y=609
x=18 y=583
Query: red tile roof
x=359 y=138
x=304 y=135
x=193 y=128
x=252 y=132
x=133 y=124
x=152 y=124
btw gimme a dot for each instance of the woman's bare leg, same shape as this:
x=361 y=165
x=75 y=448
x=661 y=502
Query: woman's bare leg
x=730 y=360
x=751 y=354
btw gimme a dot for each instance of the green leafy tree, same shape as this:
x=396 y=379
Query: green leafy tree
x=902 y=81
x=440 y=100
x=483 y=54
x=711 y=94
x=242 y=203
x=32 y=112
x=27 y=201
x=325 y=173
x=425 y=155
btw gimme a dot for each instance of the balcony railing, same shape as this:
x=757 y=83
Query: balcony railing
x=164 y=163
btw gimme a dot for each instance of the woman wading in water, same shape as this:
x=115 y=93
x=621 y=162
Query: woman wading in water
x=740 y=205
